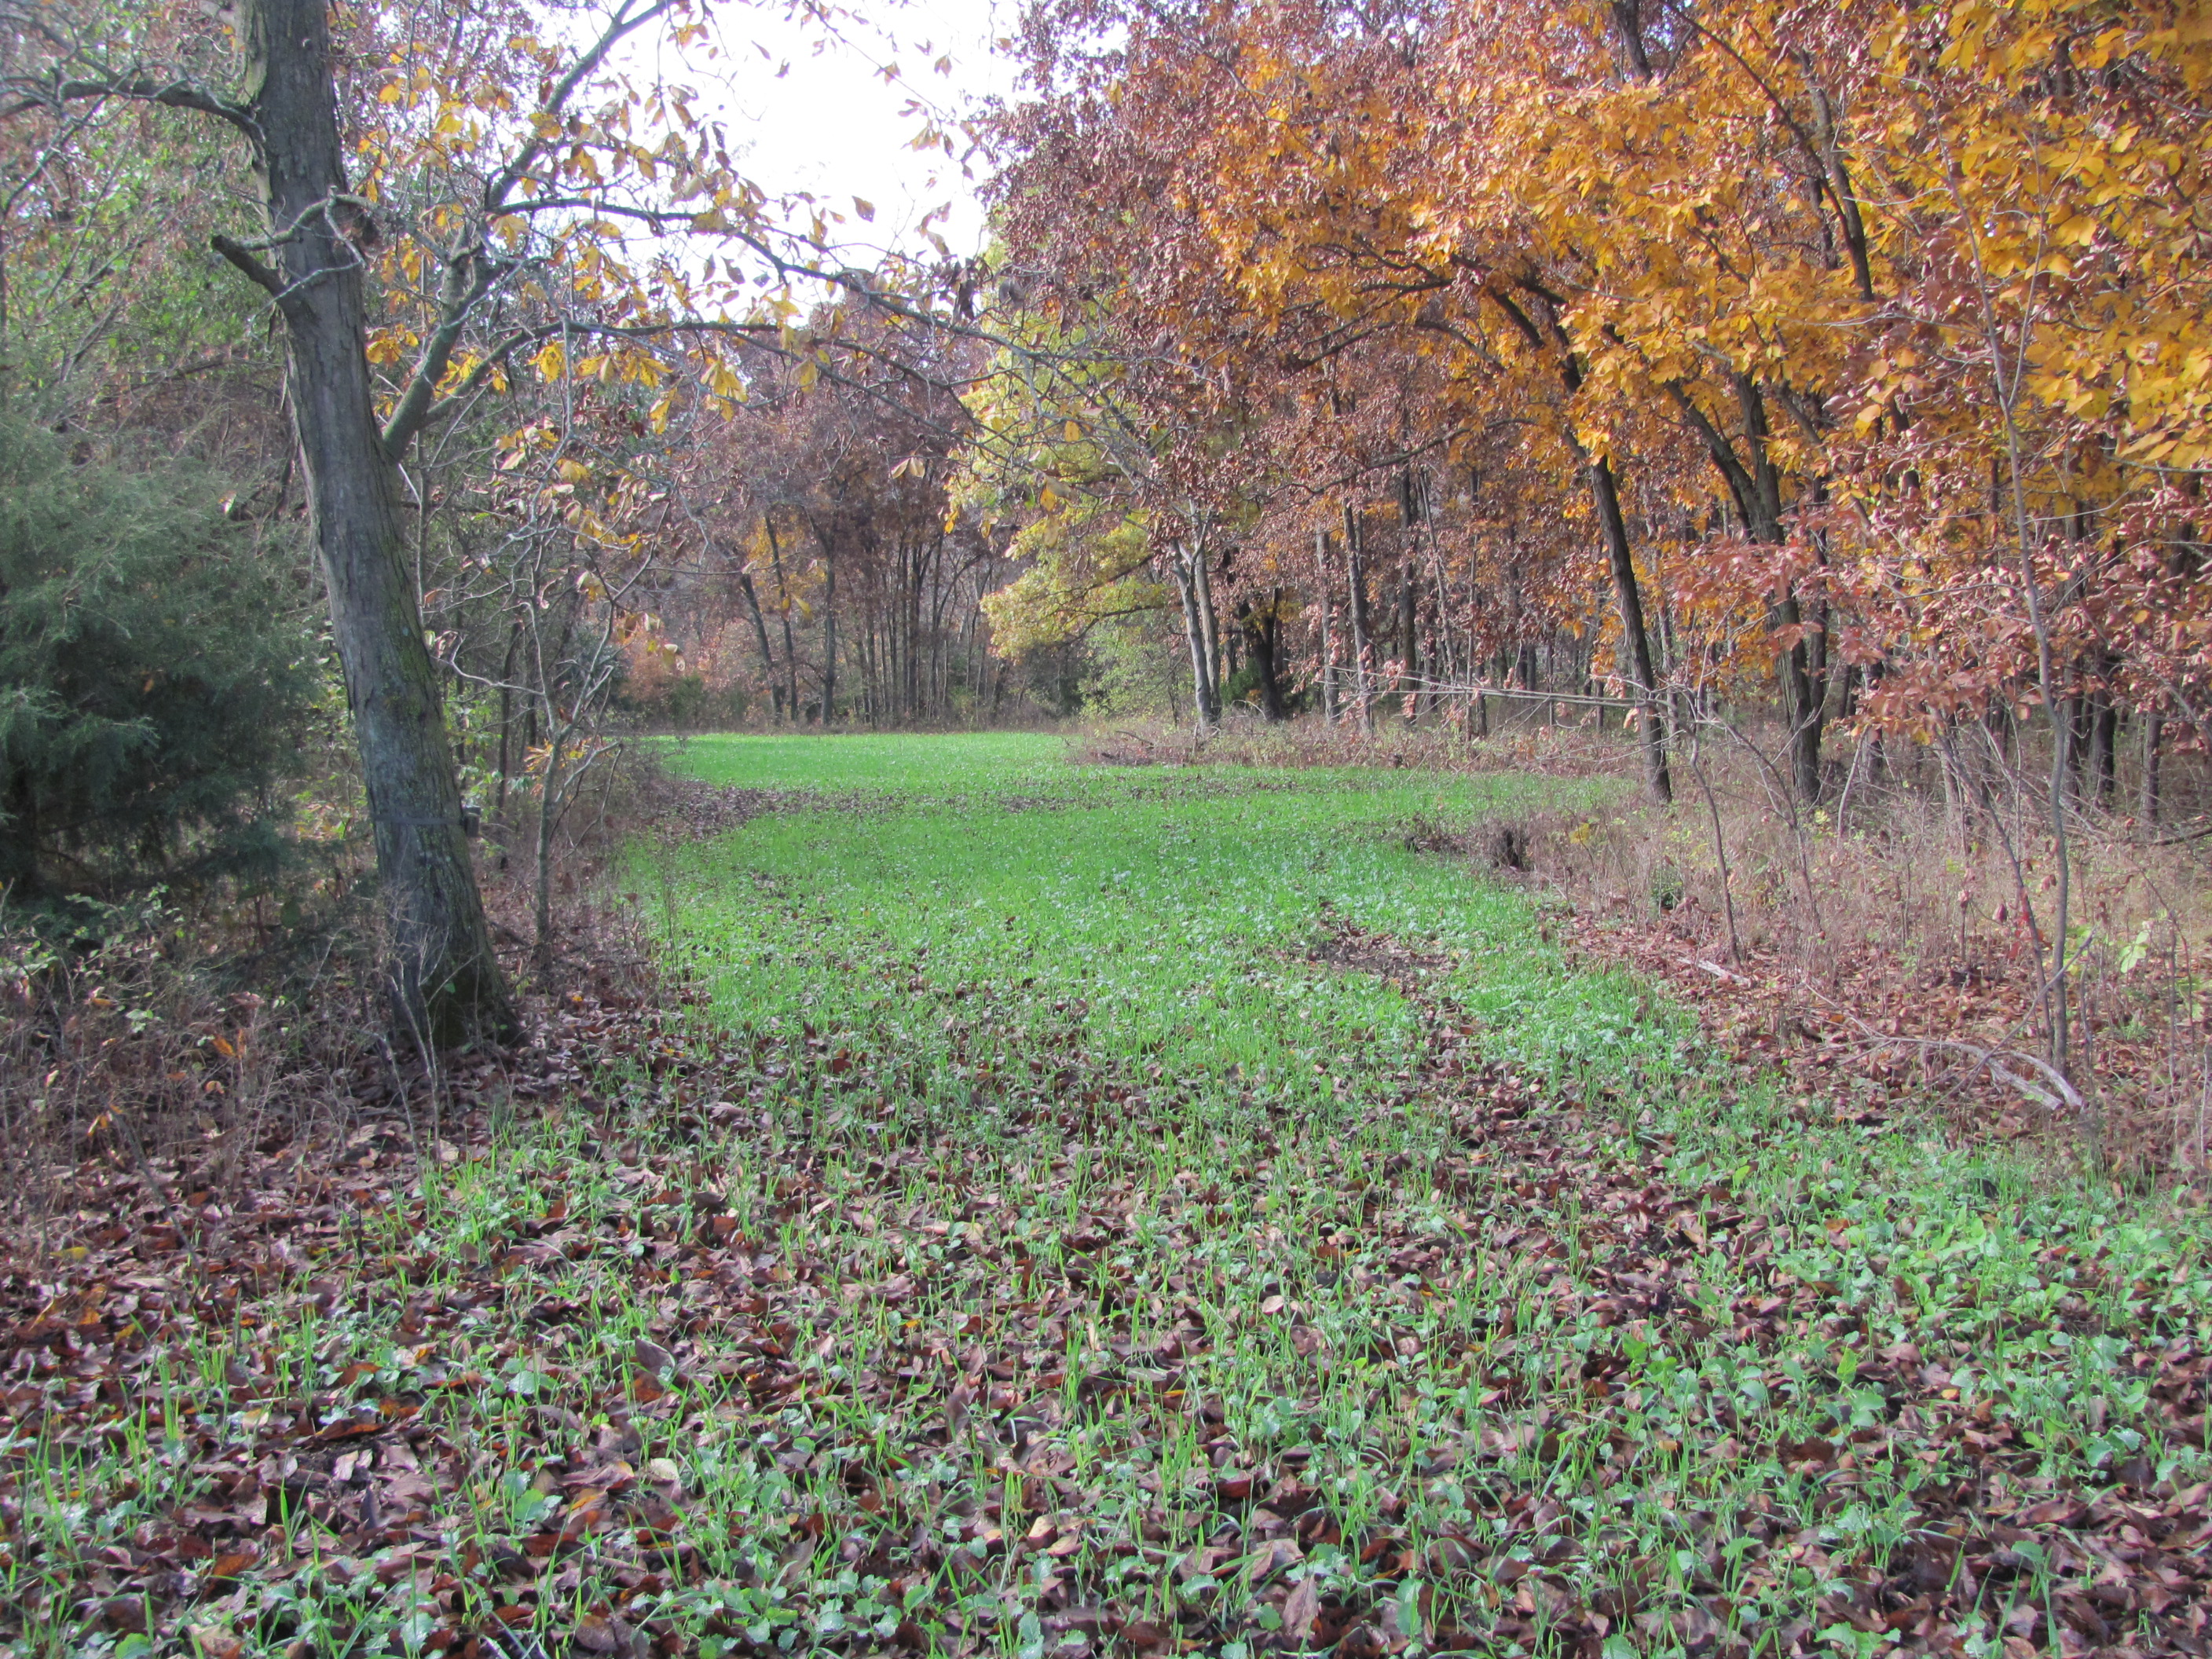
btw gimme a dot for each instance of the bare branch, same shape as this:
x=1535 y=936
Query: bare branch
x=239 y=256
x=56 y=92
x=618 y=27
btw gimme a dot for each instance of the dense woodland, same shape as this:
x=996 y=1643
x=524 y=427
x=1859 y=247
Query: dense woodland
x=1834 y=373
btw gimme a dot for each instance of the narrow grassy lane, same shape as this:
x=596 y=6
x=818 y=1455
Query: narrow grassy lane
x=1303 y=1254
x=1117 y=1211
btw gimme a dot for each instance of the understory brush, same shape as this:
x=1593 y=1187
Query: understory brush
x=227 y=1015
x=1895 y=944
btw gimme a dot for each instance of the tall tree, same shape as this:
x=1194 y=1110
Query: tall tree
x=443 y=199
x=445 y=977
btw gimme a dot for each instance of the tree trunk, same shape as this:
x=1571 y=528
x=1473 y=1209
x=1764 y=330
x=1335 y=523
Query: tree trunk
x=1358 y=606
x=1261 y=633
x=1409 y=642
x=1328 y=632
x=2104 y=742
x=760 y=637
x=445 y=983
x=1629 y=599
x=1193 y=630
x=1210 y=623
x=2146 y=802
x=1756 y=486
x=828 y=635
x=506 y=733
x=2075 y=711
x=783 y=604
x=548 y=807
x=1804 y=705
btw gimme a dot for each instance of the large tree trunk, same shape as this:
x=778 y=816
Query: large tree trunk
x=445 y=982
x=1262 y=629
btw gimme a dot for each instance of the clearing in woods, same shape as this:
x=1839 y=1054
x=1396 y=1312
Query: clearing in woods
x=1162 y=1209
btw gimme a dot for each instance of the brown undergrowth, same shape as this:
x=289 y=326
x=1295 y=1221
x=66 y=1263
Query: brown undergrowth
x=1904 y=955
x=201 y=1026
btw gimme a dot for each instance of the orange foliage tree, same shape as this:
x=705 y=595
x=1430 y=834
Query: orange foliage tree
x=1872 y=337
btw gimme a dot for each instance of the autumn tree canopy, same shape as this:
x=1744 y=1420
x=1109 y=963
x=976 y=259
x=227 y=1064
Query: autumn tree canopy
x=1848 y=358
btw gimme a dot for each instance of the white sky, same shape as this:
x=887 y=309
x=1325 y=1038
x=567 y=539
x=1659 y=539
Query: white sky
x=831 y=125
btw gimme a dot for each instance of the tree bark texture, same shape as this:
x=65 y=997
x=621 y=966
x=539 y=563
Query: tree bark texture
x=444 y=982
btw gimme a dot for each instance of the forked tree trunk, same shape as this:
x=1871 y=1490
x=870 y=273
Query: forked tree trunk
x=1204 y=697
x=445 y=982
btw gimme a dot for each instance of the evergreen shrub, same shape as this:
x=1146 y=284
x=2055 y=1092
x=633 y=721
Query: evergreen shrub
x=157 y=676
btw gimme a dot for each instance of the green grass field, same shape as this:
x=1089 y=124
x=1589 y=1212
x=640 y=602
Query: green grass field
x=1163 y=1210
x=1216 y=1057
